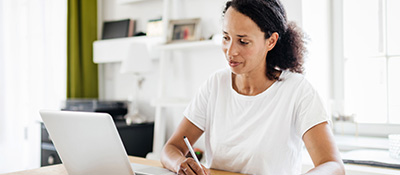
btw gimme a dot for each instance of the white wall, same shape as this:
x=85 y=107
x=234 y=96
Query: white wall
x=294 y=11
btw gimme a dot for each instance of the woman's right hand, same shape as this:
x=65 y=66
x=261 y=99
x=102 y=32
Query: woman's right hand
x=174 y=151
x=188 y=166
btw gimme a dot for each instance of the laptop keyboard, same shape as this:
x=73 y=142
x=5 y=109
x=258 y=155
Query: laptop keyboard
x=140 y=169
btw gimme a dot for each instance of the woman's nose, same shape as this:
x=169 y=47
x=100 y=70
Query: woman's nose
x=230 y=49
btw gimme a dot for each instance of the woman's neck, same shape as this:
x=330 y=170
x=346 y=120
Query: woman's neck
x=251 y=84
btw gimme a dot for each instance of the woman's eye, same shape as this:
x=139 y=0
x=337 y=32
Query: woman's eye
x=225 y=38
x=243 y=42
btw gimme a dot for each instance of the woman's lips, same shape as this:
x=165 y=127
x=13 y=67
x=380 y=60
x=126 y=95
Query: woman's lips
x=234 y=63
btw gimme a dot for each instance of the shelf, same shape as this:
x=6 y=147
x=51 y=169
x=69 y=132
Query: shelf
x=128 y=1
x=171 y=102
x=115 y=50
x=190 y=45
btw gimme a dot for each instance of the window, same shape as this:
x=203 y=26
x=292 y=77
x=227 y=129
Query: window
x=32 y=75
x=371 y=62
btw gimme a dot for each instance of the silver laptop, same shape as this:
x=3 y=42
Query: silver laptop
x=89 y=144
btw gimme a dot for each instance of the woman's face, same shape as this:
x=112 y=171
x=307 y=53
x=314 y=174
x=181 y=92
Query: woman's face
x=243 y=44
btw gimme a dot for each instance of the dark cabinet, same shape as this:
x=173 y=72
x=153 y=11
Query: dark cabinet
x=48 y=152
x=137 y=138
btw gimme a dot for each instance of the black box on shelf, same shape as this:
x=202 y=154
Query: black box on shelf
x=118 y=29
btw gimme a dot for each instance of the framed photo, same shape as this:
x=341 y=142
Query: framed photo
x=183 y=30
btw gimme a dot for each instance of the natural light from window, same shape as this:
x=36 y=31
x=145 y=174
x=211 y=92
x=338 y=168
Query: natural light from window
x=33 y=77
x=372 y=60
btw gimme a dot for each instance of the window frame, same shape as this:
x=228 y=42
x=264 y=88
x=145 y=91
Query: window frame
x=338 y=85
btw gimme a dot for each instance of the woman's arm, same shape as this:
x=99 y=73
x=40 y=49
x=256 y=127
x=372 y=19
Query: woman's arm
x=323 y=151
x=173 y=154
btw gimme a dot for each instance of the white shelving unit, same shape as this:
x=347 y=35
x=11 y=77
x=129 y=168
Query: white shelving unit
x=164 y=102
x=113 y=50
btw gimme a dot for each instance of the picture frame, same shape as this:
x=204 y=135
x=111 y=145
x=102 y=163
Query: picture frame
x=183 y=30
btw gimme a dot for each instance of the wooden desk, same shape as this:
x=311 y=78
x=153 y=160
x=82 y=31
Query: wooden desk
x=60 y=169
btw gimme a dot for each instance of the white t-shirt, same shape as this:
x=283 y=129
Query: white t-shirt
x=259 y=134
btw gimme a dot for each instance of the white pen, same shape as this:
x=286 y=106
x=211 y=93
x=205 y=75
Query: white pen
x=191 y=150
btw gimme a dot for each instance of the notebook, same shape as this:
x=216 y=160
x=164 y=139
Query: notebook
x=88 y=143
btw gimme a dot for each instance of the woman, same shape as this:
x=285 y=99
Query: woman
x=257 y=115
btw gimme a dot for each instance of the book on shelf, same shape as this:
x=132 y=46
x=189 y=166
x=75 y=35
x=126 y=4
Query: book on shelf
x=118 y=29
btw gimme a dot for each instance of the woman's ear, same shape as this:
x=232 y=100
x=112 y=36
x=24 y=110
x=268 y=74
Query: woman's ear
x=271 y=41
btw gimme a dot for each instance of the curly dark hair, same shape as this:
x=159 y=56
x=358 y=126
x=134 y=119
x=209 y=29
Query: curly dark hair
x=270 y=17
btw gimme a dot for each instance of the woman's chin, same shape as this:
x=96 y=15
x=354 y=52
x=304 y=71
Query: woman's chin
x=236 y=70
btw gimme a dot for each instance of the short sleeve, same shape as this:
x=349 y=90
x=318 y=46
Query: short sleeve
x=196 y=111
x=310 y=110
